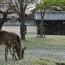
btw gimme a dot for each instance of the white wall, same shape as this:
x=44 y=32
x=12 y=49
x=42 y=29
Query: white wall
x=16 y=29
x=32 y=29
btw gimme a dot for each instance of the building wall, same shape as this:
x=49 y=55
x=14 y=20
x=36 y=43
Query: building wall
x=31 y=29
x=16 y=29
x=56 y=27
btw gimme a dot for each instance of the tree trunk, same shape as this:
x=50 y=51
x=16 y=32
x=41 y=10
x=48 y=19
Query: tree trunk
x=41 y=24
x=2 y=20
x=22 y=16
x=1 y=24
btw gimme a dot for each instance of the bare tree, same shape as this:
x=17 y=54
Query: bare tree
x=19 y=8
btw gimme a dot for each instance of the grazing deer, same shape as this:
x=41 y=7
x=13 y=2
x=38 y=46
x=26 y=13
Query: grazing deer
x=17 y=40
x=11 y=40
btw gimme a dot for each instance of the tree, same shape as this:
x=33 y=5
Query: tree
x=18 y=7
x=4 y=18
x=49 y=5
x=23 y=5
x=43 y=7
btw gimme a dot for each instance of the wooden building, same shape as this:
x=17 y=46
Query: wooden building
x=54 y=22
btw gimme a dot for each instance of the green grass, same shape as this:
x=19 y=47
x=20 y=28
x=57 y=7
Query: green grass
x=30 y=60
x=32 y=41
x=49 y=40
x=40 y=61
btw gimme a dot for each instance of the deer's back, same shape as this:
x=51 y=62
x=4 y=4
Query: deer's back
x=5 y=37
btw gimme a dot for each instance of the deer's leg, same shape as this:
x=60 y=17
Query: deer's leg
x=6 y=53
x=22 y=53
x=11 y=52
x=14 y=56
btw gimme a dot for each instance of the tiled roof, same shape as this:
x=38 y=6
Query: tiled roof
x=50 y=16
x=28 y=22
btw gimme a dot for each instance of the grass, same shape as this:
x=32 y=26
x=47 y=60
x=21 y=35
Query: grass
x=40 y=61
x=28 y=60
x=49 y=40
x=34 y=42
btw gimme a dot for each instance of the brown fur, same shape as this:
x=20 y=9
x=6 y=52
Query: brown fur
x=17 y=40
x=11 y=40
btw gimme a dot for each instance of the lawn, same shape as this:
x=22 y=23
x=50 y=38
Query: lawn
x=48 y=41
x=33 y=42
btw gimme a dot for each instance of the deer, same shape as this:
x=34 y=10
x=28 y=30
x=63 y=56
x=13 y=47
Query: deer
x=17 y=40
x=11 y=41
